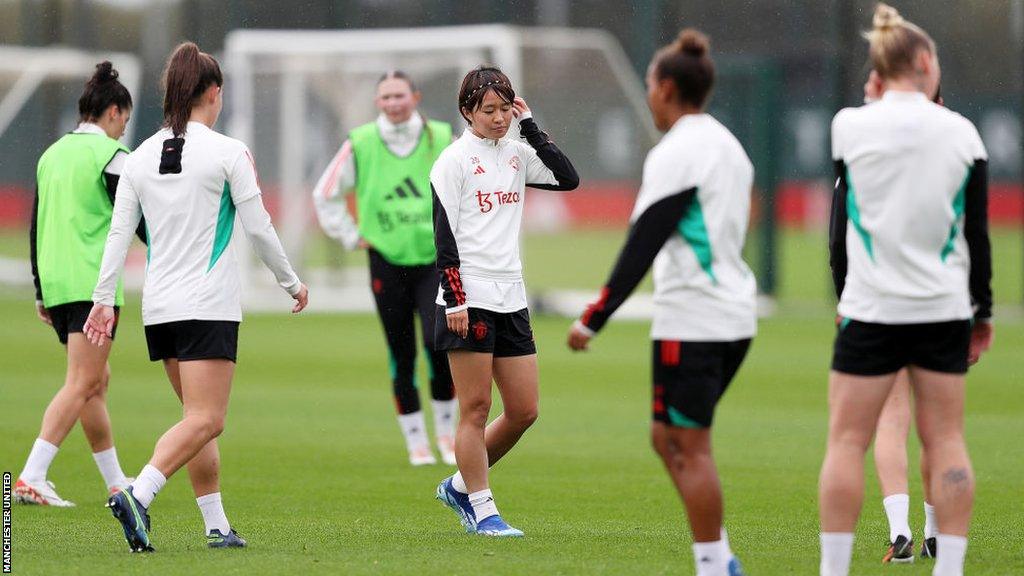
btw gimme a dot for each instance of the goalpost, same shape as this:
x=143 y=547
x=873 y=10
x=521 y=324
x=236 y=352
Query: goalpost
x=39 y=89
x=293 y=95
x=25 y=72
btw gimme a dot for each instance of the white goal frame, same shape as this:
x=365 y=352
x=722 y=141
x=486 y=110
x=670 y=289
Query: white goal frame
x=300 y=53
x=30 y=67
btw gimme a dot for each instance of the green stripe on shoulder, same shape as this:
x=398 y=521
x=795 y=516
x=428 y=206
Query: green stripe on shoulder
x=225 y=226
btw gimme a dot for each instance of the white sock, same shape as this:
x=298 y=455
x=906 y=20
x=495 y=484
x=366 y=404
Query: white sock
x=725 y=540
x=147 y=484
x=39 y=459
x=444 y=417
x=897 y=509
x=214 y=517
x=711 y=558
x=109 y=466
x=931 y=529
x=414 y=427
x=483 y=504
x=950 y=558
x=836 y=550
x=459 y=483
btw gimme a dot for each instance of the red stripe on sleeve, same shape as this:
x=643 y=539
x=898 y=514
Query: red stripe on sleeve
x=596 y=306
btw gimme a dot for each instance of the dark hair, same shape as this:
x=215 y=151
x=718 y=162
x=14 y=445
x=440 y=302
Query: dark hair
x=688 y=63
x=187 y=75
x=102 y=91
x=478 y=82
x=400 y=75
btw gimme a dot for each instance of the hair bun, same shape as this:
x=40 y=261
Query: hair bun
x=693 y=43
x=886 y=17
x=104 y=72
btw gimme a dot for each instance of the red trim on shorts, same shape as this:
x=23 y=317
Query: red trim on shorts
x=670 y=353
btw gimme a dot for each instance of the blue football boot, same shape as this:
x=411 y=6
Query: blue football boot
x=230 y=540
x=735 y=568
x=458 y=502
x=134 y=519
x=494 y=526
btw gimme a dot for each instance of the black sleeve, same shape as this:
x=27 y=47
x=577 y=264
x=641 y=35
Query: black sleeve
x=32 y=246
x=978 y=244
x=646 y=238
x=551 y=156
x=837 y=230
x=447 y=255
x=111 y=180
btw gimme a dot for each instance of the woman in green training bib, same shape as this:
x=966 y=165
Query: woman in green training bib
x=75 y=183
x=388 y=163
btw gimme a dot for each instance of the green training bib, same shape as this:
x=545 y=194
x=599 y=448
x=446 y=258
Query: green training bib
x=73 y=217
x=393 y=199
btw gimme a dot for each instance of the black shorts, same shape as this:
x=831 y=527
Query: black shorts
x=71 y=317
x=691 y=377
x=501 y=334
x=869 y=349
x=193 y=340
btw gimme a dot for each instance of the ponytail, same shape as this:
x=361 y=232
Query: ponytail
x=102 y=91
x=687 y=62
x=895 y=42
x=186 y=77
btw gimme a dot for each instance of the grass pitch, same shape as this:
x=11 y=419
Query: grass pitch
x=315 y=476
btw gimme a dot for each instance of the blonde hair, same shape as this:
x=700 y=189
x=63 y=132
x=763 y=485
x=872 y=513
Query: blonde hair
x=895 y=42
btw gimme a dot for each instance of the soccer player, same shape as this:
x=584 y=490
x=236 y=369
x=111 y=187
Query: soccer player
x=479 y=185
x=913 y=267
x=190 y=182
x=388 y=163
x=690 y=221
x=891 y=435
x=75 y=183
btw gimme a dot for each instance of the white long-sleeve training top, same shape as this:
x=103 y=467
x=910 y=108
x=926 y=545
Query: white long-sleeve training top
x=909 y=236
x=331 y=190
x=189 y=190
x=690 y=220
x=479 y=187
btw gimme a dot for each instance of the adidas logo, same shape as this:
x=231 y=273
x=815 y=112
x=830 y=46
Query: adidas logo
x=407 y=189
x=479 y=170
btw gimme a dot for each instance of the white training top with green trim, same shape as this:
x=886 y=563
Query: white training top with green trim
x=907 y=161
x=703 y=290
x=192 y=271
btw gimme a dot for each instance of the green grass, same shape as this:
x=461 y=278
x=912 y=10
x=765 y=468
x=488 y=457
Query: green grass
x=314 y=470
x=583 y=259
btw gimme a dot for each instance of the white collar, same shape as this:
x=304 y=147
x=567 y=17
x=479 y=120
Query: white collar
x=89 y=128
x=688 y=119
x=403 y=131
x=474 y=139
x=904 y=95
